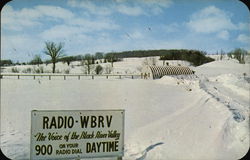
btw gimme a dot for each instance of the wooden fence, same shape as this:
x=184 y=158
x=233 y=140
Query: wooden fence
x=18 y=75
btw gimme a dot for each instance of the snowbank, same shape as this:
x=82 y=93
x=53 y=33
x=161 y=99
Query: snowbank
x=222 y=67
x=175 y=117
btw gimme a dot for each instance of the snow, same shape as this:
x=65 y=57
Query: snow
x=204 y=116
x=222 y=67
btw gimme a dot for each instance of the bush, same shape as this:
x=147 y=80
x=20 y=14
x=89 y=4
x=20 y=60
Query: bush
x=57 y=71
x=41 y=69
x=14 y=70
x=238 y=54
x=139 y=68
x=27 y=70
x=38 y=70
x=88 y=69
x=108 y=69
x=149 y=61
x=98 y=69
x=66 y=71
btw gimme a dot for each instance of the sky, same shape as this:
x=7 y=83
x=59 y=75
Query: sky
x=90 y=26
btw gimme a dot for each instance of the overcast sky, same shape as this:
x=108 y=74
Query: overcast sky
x=89 y=26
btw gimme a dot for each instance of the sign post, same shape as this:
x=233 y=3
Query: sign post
x=77 y=134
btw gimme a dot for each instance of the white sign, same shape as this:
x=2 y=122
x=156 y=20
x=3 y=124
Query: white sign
x=77 y=134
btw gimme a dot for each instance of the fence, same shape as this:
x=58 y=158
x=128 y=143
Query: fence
x=132 y=76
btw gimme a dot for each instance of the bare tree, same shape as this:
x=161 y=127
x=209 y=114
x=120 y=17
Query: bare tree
x=111 y=57
x=88 y=62
x=239 y=54
x=149 y=61
x=108 y=69
x=36 y=60
x=55 y=51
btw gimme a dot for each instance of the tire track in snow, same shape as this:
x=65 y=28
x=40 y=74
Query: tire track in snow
x=142 y=155
x=235 y=107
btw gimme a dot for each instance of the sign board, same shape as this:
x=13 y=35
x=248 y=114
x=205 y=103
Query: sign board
x=77 y=134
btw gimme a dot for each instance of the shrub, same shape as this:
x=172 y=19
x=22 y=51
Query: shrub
x=149 y=61
x=47 y=71
x=14 y=70
x=139 y=68
x=41 y=69
x=27 y=70
x=66 y=71
x=57 y=71
x=88 y=69
x=38 y=70
x=89 y=62
x=84 y=70
x=98 y=69
x=108 y=69
x=239 y=54
x=127 y=71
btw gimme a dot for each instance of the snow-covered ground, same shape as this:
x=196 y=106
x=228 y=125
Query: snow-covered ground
x=205 y=116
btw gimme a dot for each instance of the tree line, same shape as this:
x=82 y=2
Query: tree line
x=56 y=54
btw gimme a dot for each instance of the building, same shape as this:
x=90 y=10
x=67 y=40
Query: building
x=155 y=72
